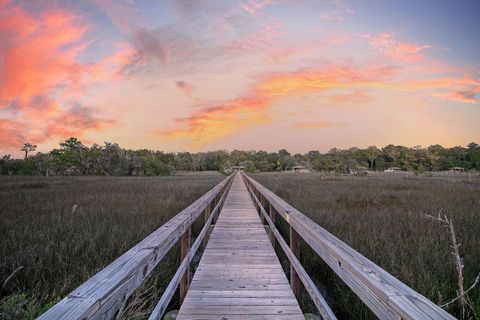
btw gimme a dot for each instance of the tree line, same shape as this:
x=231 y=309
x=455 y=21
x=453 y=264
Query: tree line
x=74 y=158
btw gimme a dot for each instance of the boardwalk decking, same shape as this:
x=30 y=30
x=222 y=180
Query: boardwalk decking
x=239 y=275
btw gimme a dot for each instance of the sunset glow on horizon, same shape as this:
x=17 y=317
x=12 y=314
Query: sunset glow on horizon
x=186 y=75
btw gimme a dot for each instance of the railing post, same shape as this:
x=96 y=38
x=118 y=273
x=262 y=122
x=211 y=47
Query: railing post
x=262 y=218
x=185 y=242
x=272 y=213
x=213 y=205
x=295 y=247
x=208 y=210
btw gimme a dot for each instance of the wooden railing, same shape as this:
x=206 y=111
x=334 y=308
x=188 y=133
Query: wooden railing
x=386 y=296
x=103 y=295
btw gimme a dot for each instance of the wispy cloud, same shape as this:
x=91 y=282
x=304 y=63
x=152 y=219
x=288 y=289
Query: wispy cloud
x=253 y=6
x=339 y=11
x=122 y=13
x=11 y=133
x=76 y=121
x=466 y=96
x=385 y=44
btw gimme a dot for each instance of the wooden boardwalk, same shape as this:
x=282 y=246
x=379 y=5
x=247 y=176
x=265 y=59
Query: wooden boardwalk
x=239 y=275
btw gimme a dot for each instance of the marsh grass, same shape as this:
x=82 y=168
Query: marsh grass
x=63 y=230
x=384 y=218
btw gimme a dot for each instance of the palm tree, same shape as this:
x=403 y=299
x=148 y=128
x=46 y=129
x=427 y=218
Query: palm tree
x=27 y=147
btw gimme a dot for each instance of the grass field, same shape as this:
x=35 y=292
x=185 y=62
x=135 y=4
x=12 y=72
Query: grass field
x=383 y=217
x=62 y=230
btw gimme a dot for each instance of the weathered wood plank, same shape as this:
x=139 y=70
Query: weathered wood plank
x=239 y=294
x=252 y=301
x=242 y=317
x=240 y=310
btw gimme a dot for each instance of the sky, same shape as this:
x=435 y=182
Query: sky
x=193 y=75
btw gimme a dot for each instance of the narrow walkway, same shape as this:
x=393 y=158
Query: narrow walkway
x=239 y=275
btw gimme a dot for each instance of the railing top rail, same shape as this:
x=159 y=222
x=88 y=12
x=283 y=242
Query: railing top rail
x=167 y=295
x=309 y=285
x=102 y=295
x=385 y=295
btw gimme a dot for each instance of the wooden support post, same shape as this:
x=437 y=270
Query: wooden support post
x=295 y=247
x=214 y=202
x=185 y=242
x=207 y=215
x=272 y=213
x=259 y=209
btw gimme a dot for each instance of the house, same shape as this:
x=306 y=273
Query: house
x=393 y=169
x=235 y=168
x=358 y=170
x=456 y=169
x=302 y=169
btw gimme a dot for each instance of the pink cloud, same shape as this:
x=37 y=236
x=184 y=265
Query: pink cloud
x=210 y=123
x=385 y=44
x=253 y=6
x=466 y=96
x=38 y=53
x=42 y=76
x=338 y=38
x=218 y=120
x=75 y=122
x=11 y=134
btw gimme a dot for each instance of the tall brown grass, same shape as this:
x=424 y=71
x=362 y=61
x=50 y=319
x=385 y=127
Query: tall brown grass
x=62 y=230
x=384 y=218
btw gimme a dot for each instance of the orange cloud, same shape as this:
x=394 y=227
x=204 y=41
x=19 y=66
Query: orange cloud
x=75 y=121
x=212 y=123
x=385 y=44
x=10 y=133
x=42 y=76
x=328 y=77
x=38 y=53
x=467 y=96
